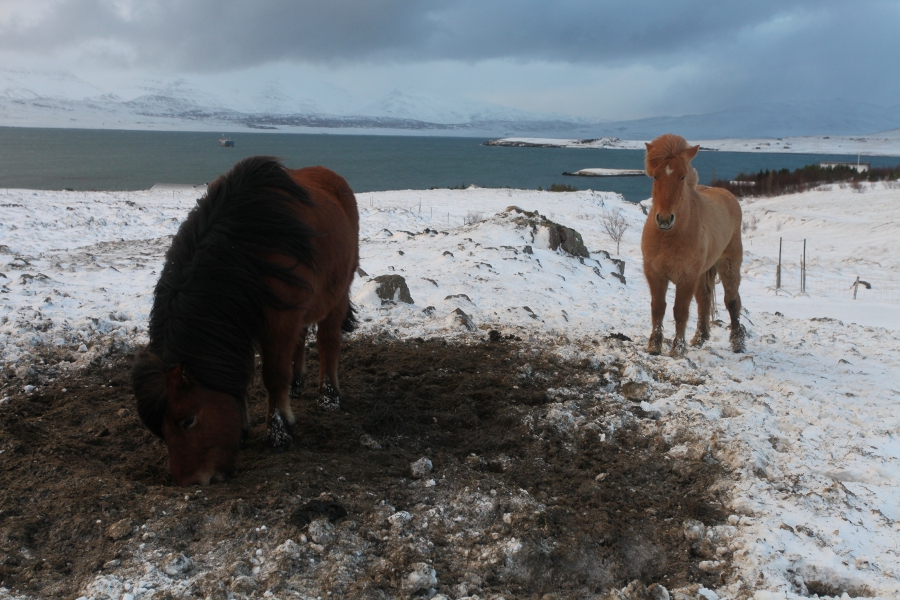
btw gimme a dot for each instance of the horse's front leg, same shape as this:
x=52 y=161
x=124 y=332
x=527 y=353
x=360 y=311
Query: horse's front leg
x=277 y=370
x=684 y=291
x=658 y=287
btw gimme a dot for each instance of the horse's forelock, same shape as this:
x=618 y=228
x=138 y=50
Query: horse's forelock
x=148 y=378
x=663 y=148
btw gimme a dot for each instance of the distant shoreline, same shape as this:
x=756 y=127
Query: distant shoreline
x=878 y=144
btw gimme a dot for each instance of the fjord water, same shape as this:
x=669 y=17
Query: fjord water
x=88 y=159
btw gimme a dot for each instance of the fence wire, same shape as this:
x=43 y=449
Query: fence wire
x=832 y=285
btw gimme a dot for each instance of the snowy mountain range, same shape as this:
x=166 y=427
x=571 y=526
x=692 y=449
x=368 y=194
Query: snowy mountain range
x=62 y=99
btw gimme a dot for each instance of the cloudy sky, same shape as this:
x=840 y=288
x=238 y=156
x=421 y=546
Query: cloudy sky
x=592 y=58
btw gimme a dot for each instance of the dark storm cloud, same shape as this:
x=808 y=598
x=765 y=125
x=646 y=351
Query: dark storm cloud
x=779 y=47
x=223 y=34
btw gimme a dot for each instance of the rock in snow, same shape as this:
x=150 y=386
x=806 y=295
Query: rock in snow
x=421 y=468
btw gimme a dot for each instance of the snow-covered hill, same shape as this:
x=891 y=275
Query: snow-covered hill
x=404 y=104
x=773 y=120
x=32 y=85
x=63 y=100
x=252 y=101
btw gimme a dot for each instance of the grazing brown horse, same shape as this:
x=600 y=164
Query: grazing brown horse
x=266 y=253
x=691 y=233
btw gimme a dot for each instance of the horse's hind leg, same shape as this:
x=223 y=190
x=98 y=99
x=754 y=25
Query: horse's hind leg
x=684 y=292
x=658 y=288
x=704 y=295
x=299 y=366
x=328 y=340
x=730 y=273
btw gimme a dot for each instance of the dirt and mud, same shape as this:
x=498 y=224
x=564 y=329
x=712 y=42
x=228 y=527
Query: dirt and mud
x=541 y=478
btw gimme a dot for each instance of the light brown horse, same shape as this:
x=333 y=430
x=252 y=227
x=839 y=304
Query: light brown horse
x=692 y=233
x=265 y=254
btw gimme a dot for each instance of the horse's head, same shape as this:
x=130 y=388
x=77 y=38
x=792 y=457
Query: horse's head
x=201 y=427
x=668 y=162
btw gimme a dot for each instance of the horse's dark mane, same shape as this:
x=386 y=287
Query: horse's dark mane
x=210 y=301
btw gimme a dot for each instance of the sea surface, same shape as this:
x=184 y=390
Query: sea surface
x=89 y=159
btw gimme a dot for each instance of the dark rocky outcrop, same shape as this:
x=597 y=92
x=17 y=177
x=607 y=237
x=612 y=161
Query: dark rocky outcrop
x=392 y=289
x=561 y=237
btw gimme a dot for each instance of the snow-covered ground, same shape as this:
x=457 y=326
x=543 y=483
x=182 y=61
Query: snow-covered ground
x=806 y=420
x=886 y=143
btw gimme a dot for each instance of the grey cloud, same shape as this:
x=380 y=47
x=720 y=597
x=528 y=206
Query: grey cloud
x=763 y=50
x=224 y=34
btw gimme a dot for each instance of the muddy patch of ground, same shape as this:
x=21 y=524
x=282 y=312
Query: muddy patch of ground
x=541 y=480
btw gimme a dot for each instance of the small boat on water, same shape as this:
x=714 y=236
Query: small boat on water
x=226 y=142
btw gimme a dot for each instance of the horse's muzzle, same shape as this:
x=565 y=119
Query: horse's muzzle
x=665 y=224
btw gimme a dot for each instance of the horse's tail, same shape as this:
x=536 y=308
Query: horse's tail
x=148 y=378
x=350 y=320
x=711 y=291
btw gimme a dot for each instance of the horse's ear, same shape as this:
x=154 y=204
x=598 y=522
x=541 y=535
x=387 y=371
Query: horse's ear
x=691 y=152
x=176 y=380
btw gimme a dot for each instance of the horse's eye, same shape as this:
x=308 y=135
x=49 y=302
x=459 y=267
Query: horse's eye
x=189 y=422
x=682 y=177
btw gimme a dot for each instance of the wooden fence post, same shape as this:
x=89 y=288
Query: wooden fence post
x=803 y=273
x=778 y=270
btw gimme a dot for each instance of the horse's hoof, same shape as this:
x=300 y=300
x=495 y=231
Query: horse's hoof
x=296 y=388
x=329 y=399
x=278 y=436
x=678 y=348
x=328 y=402
x=738 y=339
x=655 y=343
x=699 y=340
